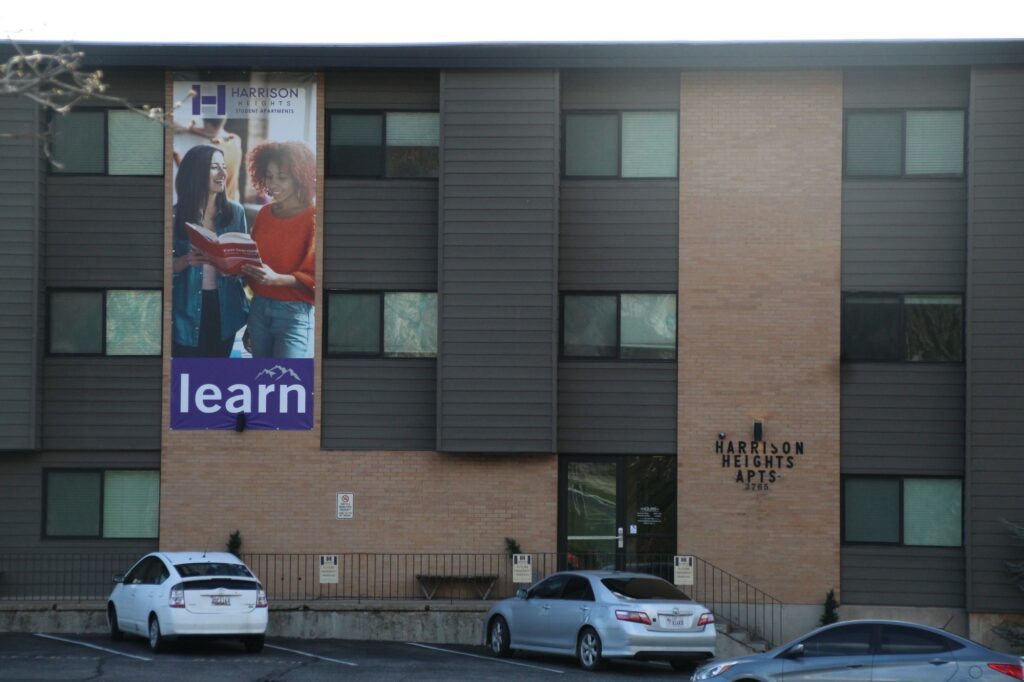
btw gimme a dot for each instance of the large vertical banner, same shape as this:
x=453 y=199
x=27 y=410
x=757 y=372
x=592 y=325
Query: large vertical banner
x=244 y=224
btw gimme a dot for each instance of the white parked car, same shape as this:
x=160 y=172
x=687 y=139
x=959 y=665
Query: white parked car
x=173 y=594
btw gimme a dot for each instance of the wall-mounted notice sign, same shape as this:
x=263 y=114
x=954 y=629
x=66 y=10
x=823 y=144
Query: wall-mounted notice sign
x=683 y=570
x=346 y=505
x=522 y=568
x=328 y=569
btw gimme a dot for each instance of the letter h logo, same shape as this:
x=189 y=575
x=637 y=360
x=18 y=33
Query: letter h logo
x=201 y=100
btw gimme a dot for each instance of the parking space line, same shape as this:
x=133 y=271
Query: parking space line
x=93 y=646
x=303 y=653
x=486 y=658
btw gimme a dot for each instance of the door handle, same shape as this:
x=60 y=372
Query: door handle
x=938 y=661
x=855 y=665
x=545 y=606
x=621 y=538
x=584 y=609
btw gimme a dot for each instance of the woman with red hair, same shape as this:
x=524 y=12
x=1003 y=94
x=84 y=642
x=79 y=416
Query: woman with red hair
x=281 y=317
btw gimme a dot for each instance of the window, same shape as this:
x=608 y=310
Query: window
x=104 y=322
x=902 y=640
x=844 y=640
x=902 y=327
x=627 y=326
x=393 y=144
x=904 y=143
x=115 y=503
x=375 y=323
x=628 y=144
x=107 y=142
x=550 y=588
x=578 y=589
x=903 y=510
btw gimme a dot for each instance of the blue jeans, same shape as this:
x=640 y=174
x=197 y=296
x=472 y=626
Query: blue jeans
x=281 y=329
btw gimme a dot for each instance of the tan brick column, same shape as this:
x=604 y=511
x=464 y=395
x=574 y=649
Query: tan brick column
x=759 y=311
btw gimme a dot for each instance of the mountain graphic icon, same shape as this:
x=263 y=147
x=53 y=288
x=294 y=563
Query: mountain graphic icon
x=277 y=372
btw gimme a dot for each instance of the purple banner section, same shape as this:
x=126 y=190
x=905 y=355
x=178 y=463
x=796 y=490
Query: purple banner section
x=272 y=393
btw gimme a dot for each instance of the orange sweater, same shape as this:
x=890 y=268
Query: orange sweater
x=286 y=245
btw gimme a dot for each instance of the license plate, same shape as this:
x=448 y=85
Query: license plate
x=220 y=601
x=674 y=622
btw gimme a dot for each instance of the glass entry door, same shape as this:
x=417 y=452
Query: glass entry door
x=617 y=511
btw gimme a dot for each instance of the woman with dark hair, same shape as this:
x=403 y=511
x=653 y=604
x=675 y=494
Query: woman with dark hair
x=209 y=307
x=281 y=321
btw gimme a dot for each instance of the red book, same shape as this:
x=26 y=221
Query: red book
x=227 y=252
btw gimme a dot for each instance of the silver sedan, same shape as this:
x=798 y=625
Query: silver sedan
x=869 y=651
x=596 y=615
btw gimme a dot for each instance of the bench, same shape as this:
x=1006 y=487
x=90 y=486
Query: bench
x=430 y=583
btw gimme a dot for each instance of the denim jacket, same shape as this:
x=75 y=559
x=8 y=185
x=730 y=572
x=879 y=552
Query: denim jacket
x=187 y=290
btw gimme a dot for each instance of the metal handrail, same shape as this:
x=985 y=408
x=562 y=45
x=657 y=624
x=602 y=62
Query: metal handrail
x=369 y=576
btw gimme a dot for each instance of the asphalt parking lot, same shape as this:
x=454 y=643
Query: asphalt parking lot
x=46 y=656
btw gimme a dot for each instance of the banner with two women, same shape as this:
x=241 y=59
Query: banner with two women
x=244 y=233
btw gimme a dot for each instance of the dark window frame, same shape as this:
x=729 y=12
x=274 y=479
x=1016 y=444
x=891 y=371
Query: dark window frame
x=901 y=478
x=380 y=324
x=103 y=324
x=903 y=175
x=618 y=327
x=618 y=148
x=383 y=113
x=902 y=295
x=54 y=171
x=102 y=471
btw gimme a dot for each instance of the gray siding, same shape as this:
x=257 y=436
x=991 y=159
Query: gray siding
x=101 y=403
x=618 y=235
x=593 y=89
x=20 y=242
x=498 y=236
x=902 y=419
x=140 y=88
x=903 y=576
x=21 y=500
x=995 y=320
x=906 y=88
x=104 y=231
x=379 y=404
x=904 y=235
x=617 y=408
x=380 y=234
x=382 y=90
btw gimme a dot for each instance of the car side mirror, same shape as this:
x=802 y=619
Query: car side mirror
x=521 y=593
x=119 y=578
x=796 y=651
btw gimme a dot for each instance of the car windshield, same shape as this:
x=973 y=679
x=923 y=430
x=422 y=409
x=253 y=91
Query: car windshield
x=644 y=588
x=212 y=568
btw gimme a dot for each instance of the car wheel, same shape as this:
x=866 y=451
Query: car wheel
x=157 y=643
x=499 y=637
x=115 y=630
x=588 y=650
x=253 y=643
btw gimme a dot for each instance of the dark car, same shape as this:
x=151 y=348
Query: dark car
x=870 y=651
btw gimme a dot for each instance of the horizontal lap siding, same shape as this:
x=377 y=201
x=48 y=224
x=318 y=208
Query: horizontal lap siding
x=995 y=319
x=903 y=576
x=380 y=234
x=903 y=235
x=385 y=404
x=614 y=89
x=619 y=235
x=498 y=235
x=902 y=419
x=20 y=239
x=21 y=500
x=611 y=408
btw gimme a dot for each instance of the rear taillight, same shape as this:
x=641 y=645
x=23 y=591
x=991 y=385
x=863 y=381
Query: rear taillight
x=633 y=617
x=1014 y=670
x=177 y=599
x=706 y=619
x=261 y=599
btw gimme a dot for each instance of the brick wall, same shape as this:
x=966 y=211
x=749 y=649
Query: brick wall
x=759 y=294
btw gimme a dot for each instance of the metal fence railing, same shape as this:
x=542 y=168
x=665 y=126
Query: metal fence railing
x=373 y=577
